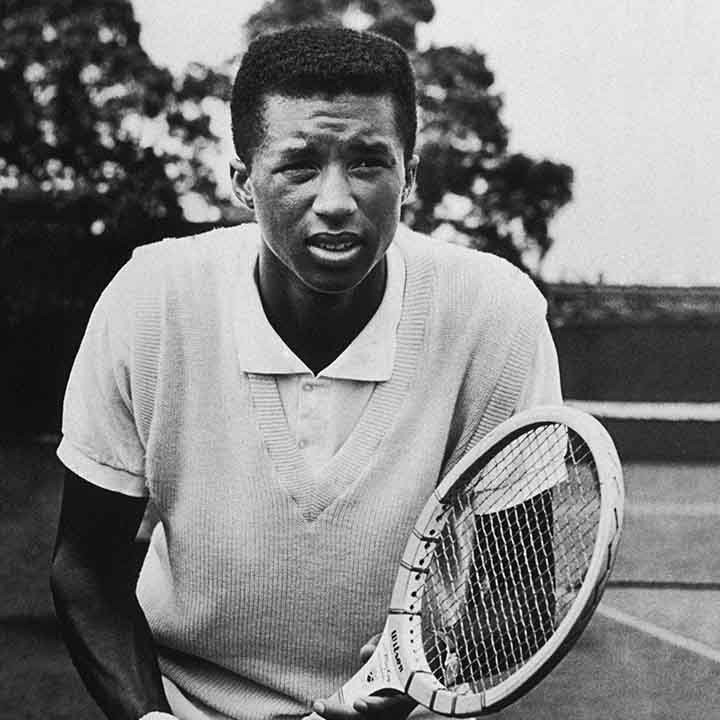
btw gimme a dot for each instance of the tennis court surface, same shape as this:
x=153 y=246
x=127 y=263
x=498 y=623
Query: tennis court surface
x=652 y=652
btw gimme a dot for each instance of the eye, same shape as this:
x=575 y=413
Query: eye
x=297 y=171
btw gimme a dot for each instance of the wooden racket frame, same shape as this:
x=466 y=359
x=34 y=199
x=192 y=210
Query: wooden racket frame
x=399 y=661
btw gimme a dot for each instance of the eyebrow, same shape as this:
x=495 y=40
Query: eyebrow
x=378 y=147
x=300 y=146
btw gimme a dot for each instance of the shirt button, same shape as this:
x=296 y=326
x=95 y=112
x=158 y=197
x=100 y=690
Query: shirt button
x=302 y=443
x=307 y=387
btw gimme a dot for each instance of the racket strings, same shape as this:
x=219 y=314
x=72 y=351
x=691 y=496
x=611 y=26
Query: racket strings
x=511 y=558
x=466 y=511
x=583 y=510
x=499 y=619
x=521 y=607
x=500 y=469
x=466 y=508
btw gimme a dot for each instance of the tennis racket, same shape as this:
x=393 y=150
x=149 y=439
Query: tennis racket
x=504 y=567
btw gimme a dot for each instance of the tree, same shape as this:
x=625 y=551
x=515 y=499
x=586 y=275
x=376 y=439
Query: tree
x=89 y=124
x=469 y=188
x=98 y=147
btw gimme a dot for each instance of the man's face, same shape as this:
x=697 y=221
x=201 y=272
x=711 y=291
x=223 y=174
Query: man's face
x=327 y=184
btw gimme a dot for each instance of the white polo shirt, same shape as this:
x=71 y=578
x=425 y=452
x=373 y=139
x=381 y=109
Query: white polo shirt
x=321 y=410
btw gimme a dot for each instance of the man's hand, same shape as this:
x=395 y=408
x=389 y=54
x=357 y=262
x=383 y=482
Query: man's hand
x=390 y=705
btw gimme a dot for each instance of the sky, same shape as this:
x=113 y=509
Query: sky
x=627 y=92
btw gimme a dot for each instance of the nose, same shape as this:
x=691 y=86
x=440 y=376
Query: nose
x=334 y=198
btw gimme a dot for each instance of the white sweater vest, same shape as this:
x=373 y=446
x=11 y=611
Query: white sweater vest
x=261 y=585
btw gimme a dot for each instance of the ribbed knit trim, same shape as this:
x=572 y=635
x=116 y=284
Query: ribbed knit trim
x=288 y=463
x=349 y=464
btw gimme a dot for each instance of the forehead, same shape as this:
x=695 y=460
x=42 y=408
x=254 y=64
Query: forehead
x=294 y=122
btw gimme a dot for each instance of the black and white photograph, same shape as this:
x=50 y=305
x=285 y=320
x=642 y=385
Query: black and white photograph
x=360 y=360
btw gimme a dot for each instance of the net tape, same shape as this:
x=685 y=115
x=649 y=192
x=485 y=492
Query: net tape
x=663 y=411
x=511 y=557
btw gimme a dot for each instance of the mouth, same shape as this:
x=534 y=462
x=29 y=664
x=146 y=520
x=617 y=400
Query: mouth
x=334 y=242
x=335 y=248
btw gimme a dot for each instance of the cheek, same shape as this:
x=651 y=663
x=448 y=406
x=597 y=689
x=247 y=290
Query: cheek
x=277 y=208
x=388 y=212
x=384 y=198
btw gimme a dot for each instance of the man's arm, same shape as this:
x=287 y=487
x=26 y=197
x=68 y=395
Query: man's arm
x=93 y=585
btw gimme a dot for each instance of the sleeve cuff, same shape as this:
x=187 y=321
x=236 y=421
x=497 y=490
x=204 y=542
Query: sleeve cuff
x=104 y=476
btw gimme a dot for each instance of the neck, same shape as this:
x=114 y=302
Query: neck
x=317 y=326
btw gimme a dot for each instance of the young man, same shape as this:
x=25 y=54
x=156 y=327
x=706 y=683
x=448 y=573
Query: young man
x=288 y=394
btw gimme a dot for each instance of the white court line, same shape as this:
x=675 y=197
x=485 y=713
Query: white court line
x=693 y=646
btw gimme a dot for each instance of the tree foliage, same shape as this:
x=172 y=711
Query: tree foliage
x=470 y=188
x=98 y=146
x=89 y=125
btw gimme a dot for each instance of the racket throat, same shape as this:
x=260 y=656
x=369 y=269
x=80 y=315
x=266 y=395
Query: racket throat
x=388 y=668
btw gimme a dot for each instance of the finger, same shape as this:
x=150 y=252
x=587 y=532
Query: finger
x=397 y=705
x=335 y=711
x=369 y=648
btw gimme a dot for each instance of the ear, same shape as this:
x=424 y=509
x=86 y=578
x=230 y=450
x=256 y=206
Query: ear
x=241 y=185
x=410 y=175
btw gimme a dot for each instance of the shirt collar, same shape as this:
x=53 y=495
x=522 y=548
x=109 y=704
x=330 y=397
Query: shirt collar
x=369 y=358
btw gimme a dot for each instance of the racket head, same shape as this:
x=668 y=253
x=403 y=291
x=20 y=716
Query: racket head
x=461 y=641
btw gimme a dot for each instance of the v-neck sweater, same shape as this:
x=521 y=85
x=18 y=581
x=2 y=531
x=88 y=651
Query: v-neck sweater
x=262 y=582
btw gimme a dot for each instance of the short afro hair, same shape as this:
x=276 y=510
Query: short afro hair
x=319 y=60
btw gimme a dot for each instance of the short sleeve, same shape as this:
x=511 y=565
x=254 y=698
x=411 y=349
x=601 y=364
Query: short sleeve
x=542 y=384
x=100 y=440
